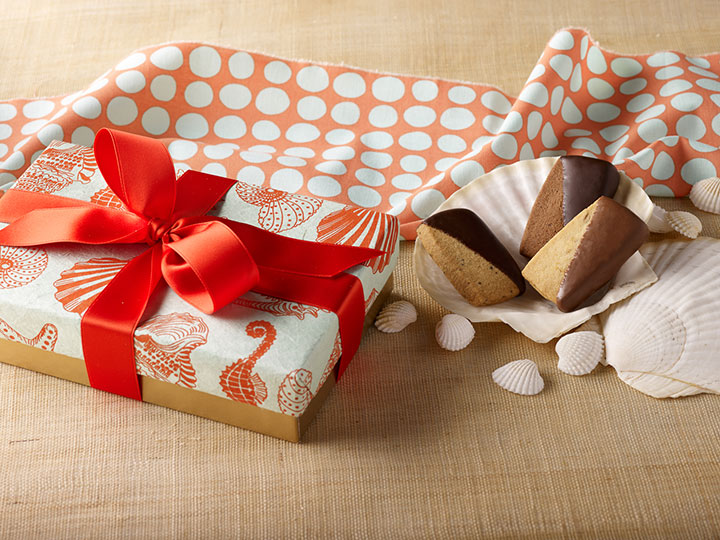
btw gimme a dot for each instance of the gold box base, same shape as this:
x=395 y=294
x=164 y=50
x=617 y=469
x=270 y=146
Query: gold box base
x=275 y=424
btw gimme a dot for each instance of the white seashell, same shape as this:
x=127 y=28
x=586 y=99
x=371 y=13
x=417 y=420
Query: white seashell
x=520 y=377
x=579 y=352
x=706 y=195
x=503 y=199
x=395 y=317
x=591 y=325
x=454 y=332
x=685 y=223
x=658 y=221
x=663 y=341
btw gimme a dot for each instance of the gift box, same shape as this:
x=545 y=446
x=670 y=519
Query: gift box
x=260 y=362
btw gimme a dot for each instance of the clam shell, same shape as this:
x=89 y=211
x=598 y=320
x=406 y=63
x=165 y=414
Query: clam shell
x=706 y=195
x=664 y=340
x=685 y=223
x=396 y=317
x=579 y=352
x=520 y=377
x=454 y=332
x=658 y=221
x=503 y=199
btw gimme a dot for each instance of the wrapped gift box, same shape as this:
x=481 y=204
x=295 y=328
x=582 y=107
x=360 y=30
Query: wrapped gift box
x=260 y=363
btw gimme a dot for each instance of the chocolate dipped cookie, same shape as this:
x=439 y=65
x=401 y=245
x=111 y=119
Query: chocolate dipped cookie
x=573 y=184
x=586 y=254
x=471 y=257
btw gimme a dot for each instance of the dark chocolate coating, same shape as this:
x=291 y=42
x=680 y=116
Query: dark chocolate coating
x=466 y=226
x=614 y=233
x=584 y=180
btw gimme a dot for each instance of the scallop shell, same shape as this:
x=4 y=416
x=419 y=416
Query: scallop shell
x=395 y=317
x=658 y=221
x=78 y=286
x=685 y=223
x=361 y=227
x=664 y=340
x=579 y=352
x=503 y=199
x=520 y=377
x=454 y=332
x=706 y=195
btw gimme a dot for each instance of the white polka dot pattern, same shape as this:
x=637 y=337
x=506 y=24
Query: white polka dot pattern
x=394 y=143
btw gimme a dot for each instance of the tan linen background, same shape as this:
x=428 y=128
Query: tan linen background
x=415 y=441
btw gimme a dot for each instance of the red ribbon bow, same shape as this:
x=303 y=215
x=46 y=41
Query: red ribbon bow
x=208 y=261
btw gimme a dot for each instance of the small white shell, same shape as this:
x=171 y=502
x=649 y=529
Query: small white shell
x=454 y=332
x=706 y=195
x=685 y=223
x=395 y=317
x=658 y=221
x=580 y=352
x=520 y=377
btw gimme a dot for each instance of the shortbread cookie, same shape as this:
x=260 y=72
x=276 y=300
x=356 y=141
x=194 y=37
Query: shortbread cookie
x=471 y=257
x=586 y=253
x=573 y=184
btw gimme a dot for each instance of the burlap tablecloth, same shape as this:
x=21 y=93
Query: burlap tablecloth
x=415 y=441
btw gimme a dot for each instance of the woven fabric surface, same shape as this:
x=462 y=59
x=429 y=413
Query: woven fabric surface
x=414 y=441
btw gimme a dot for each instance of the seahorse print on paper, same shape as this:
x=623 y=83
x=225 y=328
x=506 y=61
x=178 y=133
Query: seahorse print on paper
x=45 y=339
x=20 y=266
x=58 y=167
x=163 y=345
x=237 y=380
x=279 y=210
x=294 y=394
x=279 y=307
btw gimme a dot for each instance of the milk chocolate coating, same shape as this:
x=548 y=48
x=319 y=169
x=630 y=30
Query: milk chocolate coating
x=584 y=180
x=613 y=234
x=466 y=226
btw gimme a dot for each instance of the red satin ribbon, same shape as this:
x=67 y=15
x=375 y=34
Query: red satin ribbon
x=208 y=261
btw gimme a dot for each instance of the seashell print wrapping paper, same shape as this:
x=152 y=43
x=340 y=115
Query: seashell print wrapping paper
x=392 y=143
x=503 y=199
x=259 y=350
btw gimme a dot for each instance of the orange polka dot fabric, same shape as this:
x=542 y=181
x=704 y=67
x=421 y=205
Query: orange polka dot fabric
x=398 y=144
